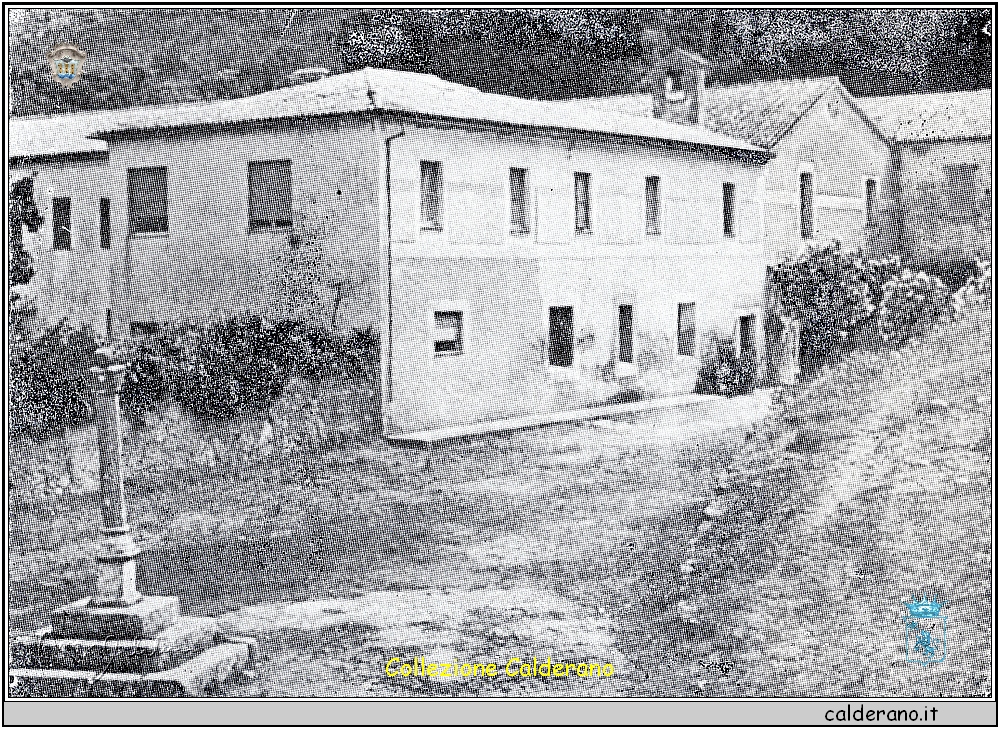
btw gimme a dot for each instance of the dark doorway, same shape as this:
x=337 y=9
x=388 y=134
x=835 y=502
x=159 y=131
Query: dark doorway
x=561 y=336
x=625 y=333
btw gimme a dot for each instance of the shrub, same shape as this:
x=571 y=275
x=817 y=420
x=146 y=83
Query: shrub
x=911 y=303
x=827 y=290
x=876 y=272
x=49 y=390
x=978 y=289
x=724 y=372
x=309 y=350
x=359 y=355
x=235 y=366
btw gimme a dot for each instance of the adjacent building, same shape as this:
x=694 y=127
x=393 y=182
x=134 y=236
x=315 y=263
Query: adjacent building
x=943 y=146
x=831 y=169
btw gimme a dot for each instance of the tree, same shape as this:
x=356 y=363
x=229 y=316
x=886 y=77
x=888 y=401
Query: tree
x=22 y=213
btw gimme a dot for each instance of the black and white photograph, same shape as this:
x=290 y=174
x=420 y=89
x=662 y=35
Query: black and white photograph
x=502 y=353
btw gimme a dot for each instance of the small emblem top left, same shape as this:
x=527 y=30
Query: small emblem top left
x=66 y=61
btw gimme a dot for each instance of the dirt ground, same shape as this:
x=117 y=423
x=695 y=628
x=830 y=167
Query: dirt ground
x=517 y=546
x=590 y=542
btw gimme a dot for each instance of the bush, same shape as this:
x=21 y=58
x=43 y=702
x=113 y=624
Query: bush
x=725 y=373
x=978 y=289
x=828 y=292
x=911 y=303
x=235 y=366
x=49 y=390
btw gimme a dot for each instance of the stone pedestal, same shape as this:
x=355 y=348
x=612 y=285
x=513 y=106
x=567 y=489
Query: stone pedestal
x=118 y=642
x=145 y=649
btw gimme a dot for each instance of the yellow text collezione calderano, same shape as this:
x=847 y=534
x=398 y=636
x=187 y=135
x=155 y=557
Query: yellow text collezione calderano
x=515 y=668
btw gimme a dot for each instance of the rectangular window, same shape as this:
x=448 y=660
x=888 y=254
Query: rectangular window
x=871 y=200
x=806 y=192
x=105 y=215
x=431 y=195
x=582 y=193
x=686 y=330
x=625 y=333
x=748 y=335
x=447 y=332
x=147 y=200
x=561 y=336
x=270 y=194
x=728 y=209
x=961 y=190
x=62 y=224
x=652 y=206
x=519 y=201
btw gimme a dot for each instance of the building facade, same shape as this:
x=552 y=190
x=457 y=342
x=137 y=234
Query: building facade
x=514 y=259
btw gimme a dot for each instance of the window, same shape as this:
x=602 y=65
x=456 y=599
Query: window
x=519 y=201
x=728 y=209
x=685 y=329
x=270 y=194
x=961 y=188
x=147 y=200
x=561 y=336
x=748 y=336
x=431 y=195
x=582 y=191
x=806 y=192
x=625 y=333
x=62 y=225
x=871 y=200
x=652 y=206
x=105 y=216
x=447 y=332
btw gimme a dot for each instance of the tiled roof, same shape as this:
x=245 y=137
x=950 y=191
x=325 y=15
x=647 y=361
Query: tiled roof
x=53 y=136
x=923 y=117
x=411 y=93
x=761 y=113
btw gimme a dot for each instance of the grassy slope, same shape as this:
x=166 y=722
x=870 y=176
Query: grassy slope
x=870 y=484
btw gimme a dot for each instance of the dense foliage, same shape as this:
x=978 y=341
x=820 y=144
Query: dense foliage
x=724 y=372
x=911 y=303
x=169 y=55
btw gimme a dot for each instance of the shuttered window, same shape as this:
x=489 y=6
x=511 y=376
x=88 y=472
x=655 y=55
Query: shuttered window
x=147 y=200
x=686 y=331
x=871 y=200
x=728 y=209
x=582 y=192
x=431 y=195
x=105 y=222
x=806 y=205
x=270 y=194
x=653 y=206
x=62 y=224
x=519 y=201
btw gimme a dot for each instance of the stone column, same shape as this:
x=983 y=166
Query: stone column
x=116 y=585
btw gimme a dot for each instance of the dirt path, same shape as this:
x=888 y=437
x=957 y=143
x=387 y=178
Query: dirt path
x=495 y=591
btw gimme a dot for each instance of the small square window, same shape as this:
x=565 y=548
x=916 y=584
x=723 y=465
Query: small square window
x=686 y=331
x=448 y=333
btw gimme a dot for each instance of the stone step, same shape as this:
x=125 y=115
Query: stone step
x=144 y=619
x=176 y=644
x=207 y=671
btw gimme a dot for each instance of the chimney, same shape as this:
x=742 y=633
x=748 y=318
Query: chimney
x=678 y=86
